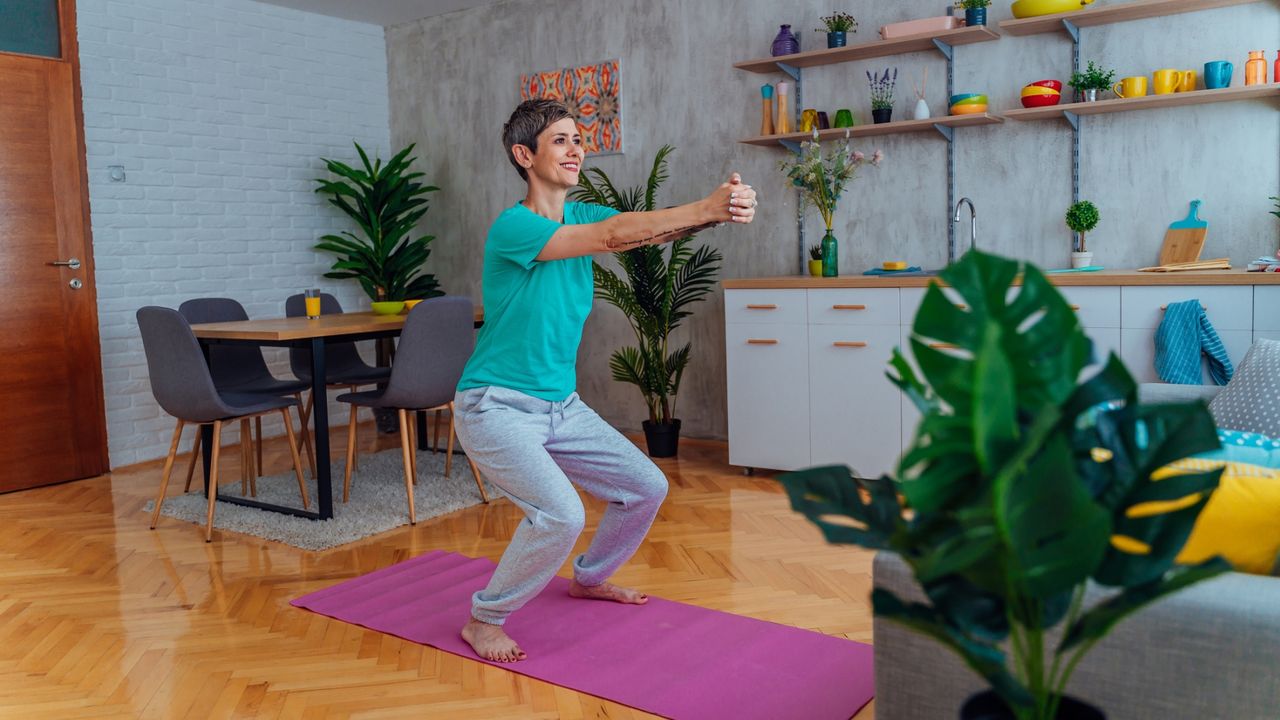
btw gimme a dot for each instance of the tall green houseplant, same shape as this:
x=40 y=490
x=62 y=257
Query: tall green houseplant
x=386 y=202
x=1021 y=486
x=657 y=291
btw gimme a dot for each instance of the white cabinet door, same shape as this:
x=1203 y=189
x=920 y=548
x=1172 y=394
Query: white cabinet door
x=855 y=412
x=1096 y=307
x=1227 y=307
x=765 y=306
x=1266 y=308
x=1138 y=350
x=1105 y=342
x=768 y=374
x=910 y=416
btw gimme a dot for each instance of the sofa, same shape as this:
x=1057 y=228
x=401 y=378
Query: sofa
x=1211 y=651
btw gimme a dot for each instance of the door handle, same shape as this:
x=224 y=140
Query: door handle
x=73 y=263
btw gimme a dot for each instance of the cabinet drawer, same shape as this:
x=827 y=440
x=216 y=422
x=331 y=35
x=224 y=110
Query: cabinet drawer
x=910 y=298
x=1266 y=309
x=768 y=395
x=764 y=306
x=1228 y=308
x=1097 y=307
x=854 y=306
x=855 y=412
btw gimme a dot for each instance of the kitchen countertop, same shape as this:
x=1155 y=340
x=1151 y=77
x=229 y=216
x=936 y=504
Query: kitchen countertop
x=1098 y=278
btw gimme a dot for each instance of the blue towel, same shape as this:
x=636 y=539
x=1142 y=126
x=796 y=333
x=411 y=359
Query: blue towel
x=882 y=271
x=1183 y=335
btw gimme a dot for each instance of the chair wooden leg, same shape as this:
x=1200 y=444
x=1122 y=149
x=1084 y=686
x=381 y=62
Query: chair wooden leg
x=214 y=452
x=293 y=450
x=475 y=472
x=304 y=412
x=195 y=455
x=435 y=441
x=246 y=452
x=168 y=468
x=408 y=464
x=448 y=455
x=257 y=468
x=351 y=454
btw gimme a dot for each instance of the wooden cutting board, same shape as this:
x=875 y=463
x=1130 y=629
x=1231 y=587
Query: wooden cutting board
x=1184 y=239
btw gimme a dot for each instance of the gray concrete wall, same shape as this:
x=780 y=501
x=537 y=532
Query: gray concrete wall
x=453 y=81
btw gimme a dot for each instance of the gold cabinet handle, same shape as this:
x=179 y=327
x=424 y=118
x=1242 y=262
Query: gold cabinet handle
x=848 y=307
x=759 y=341
x=1166 y=307
x=1075 y=307
x=944 y=346
x=961 y=306
x=762 y=307
x=849 y=344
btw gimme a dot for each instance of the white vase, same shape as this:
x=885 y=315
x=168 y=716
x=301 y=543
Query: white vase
x=1081 y=259
x=922 y=110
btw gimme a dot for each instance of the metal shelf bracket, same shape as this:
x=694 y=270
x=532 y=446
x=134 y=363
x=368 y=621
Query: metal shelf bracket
x=947 y=131
x=944 y=48
x=1073 y=119
x=1072 y=29
x=791 y=145
x=791 y=70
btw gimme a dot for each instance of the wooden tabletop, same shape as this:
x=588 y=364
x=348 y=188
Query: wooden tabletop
x=1101 y=277
x=301 y=328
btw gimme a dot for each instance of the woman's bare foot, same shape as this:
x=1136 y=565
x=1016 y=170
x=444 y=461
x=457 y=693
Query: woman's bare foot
x=608 y=591
x=491 y=642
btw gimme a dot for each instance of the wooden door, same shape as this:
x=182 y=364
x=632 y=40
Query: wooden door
x=50 y=361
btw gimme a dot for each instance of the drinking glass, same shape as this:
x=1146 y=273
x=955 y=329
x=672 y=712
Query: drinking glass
x=312 y=298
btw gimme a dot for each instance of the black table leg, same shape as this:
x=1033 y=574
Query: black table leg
x=320 y=423
x=206 y=458
x=422 y=430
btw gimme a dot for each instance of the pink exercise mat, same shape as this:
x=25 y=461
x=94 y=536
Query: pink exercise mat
x=665 y=657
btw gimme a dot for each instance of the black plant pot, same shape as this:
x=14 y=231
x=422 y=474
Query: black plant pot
x=836 y=39
x=989 y=706
x=882 y=115
x=663 y=438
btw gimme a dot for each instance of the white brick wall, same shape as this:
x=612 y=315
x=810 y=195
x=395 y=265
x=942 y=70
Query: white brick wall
x=219 y=113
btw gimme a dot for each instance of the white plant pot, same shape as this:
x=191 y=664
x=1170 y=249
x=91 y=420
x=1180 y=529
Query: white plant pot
x=1081 y=259
x=922 y=110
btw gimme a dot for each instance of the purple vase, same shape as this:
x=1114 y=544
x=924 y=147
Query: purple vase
x=786 y=42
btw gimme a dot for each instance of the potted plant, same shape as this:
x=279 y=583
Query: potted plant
x=1019 y=489
x=1275 y=212
x=1093 y=80
x=821 y=177
x=975 y=11
x=386 y=202
x=882 y=94
x=839 y=24
x=657 y=294
x=1082 y=217
x=815 y=260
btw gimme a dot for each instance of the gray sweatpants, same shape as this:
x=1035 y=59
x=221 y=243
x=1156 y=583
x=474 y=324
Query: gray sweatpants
x=536 y=451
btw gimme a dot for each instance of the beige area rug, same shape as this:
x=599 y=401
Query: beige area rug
x=378 y=501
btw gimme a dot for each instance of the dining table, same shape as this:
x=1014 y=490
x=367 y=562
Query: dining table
x=312 y=334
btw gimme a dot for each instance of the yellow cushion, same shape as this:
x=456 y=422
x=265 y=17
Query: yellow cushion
x=1241 y=521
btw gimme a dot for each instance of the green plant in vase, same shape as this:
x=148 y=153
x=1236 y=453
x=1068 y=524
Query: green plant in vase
x=1092 y=81
x=815 y=260
x=882 y=87
x=1082 y=217
x=838 y=26
x=821 y=175
x=975 y=11
x=1021 y=487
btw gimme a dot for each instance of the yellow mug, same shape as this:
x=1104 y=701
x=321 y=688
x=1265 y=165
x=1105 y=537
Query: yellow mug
x=1131 y=87
x=1188 y=82
x=808 y=120
x=1166 y=81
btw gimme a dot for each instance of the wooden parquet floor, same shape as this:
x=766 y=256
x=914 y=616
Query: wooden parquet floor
x=102 y=618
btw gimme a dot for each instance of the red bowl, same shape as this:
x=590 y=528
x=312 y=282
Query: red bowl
x=1055 y=84
x=1033 y=101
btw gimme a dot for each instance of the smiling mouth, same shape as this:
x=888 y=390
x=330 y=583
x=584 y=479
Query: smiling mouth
x=571 y=167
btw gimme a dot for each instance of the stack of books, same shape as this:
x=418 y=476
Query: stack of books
x=1266 y=264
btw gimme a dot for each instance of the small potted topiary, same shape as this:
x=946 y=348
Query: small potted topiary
x=839 y=25
x=1093 y=80
x=815 y=260
x=1082 y=217
x=975 y=11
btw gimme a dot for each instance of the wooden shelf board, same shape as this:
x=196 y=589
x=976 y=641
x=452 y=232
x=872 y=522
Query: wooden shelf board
x=891 y=128
x=1149 y=102
x=1100 y=14
x=878 y=48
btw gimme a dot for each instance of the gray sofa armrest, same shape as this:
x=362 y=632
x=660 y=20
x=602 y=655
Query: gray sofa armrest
x=1210 y=651
x=1157 y=393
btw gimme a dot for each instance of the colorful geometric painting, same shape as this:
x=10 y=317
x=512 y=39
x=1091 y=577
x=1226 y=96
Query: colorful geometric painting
x=594 y=92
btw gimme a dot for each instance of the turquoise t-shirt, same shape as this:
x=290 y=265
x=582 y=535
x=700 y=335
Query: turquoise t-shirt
x=533 y=311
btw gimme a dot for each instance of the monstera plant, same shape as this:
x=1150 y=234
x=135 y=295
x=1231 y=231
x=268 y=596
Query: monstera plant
x=659 y=286
x=1021 y=487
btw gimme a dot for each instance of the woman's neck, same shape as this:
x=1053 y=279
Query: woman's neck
x=548 y=203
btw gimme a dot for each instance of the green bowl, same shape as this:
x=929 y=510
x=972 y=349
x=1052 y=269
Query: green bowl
x=388 y=307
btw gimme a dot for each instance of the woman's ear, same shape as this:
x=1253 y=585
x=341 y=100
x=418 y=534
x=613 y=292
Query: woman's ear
x=523 y=156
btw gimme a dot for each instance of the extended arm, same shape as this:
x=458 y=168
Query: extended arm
x=731 y=202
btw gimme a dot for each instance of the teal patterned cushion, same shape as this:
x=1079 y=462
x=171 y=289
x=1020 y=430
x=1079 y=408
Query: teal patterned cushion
x=1251 y=401
x=1246 y=447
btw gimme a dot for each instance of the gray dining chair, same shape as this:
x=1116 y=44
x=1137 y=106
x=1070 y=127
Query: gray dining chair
x=184 y=387
x=436 y=343
x=242 y=369
x=344 y=368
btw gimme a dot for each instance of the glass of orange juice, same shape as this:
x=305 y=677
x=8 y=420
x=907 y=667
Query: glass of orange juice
x=312 y=298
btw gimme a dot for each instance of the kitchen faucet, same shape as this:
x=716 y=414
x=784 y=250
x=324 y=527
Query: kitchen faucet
x=973 y=227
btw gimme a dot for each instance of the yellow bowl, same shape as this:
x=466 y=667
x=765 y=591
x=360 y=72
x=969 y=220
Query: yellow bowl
x=968 y=109
x=1038 y=90
x=408 y=304
x=1032 y=8
x=388 y=307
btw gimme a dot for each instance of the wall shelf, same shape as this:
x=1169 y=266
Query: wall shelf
x=877 y=48
x=890 y=128
x=1148 y=102
x=1107 y=14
